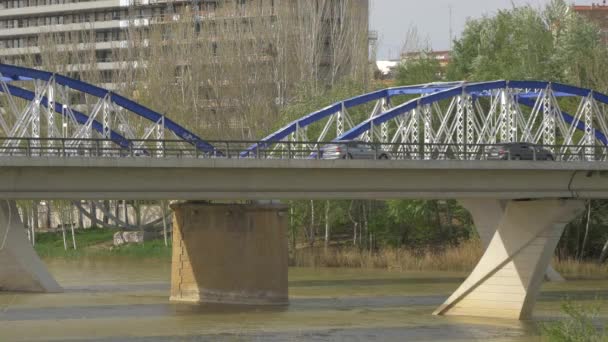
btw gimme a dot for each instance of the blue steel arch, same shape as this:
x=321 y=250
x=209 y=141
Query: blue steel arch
x=480 y=89
x=80 y=117
x=21 y=73
x=350 y=103
x=435 y=92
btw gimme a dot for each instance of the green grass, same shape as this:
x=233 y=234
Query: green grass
x=96 y=242
x=150 y=249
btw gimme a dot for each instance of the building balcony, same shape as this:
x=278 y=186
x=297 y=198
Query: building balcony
x=60 y=8
x=98 y=25
x=32 y=50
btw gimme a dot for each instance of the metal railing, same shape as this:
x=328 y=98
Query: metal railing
x=101 y=148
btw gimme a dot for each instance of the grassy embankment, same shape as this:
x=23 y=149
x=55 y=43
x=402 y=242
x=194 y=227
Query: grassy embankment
x=98 y=242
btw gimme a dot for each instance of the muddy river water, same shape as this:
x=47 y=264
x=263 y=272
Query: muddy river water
x=114 y=299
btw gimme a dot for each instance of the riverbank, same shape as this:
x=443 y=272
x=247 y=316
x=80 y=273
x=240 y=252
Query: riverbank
x=461 y=258
x=96 y=242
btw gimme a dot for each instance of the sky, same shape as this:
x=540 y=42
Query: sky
x=431 y=18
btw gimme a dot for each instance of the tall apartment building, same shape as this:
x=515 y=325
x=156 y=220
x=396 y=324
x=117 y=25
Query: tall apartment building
x=228 y=58
x=23 y=21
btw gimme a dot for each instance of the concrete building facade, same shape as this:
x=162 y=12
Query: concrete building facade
x=22 y=21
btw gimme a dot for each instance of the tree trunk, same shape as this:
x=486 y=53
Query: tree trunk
x=48 y=214
x=604 y=254
x=71 y=218
x=293 y=229
x=577 y=252
x=326 y=224
x=106 y=206
x=34 y=215
x=65 y=243
x=355 y=223
x=312 y=237
x=365 y=227
x=586 y=238
x=162 y=212
x=80 y=218
x=126 y=211
x=116 y=210
x=450 y=218
x=137 y=206
x=26 y=216
x=93 y=211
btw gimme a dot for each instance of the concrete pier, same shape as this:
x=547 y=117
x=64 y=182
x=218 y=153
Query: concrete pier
x=229 y=253
x=506 y=281
x=21 y=269
x=484 y=213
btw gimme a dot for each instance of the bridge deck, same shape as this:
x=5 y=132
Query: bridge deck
x=168 y=178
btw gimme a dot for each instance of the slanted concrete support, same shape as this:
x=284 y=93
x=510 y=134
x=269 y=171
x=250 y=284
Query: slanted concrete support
x=507 y=279
x=229 y=253
x=484 y=211
x=21 y=269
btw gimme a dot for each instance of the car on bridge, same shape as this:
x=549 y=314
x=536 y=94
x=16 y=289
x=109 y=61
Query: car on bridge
x=354 y=149
x=518 y=151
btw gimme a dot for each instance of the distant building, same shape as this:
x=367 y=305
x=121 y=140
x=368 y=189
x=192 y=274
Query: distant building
x=443 y=57
x=386 y=69
x=598 y=13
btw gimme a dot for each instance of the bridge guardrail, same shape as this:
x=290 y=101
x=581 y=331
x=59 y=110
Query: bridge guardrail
x=102 y=148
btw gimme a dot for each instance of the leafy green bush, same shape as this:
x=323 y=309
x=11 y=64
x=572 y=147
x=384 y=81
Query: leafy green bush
x=579 y=326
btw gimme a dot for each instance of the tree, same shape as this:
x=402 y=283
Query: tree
x=554 y=44
x=514 y=44
x=419 y=70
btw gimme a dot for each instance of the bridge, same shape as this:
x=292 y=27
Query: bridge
x=439 y=137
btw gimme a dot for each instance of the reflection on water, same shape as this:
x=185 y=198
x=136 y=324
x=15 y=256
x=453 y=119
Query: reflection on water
x=114 y=299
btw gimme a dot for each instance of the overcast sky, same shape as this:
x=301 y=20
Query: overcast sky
x=392 y=18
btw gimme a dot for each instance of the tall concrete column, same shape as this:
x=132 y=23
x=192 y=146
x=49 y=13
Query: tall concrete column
x=229 y=253
x=483 y=212
x=21 y=269
x=507 y=279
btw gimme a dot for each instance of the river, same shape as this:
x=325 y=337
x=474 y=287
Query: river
x=118 y=299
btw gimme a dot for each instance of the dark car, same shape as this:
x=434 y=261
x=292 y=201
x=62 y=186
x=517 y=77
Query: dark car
x=519 y=151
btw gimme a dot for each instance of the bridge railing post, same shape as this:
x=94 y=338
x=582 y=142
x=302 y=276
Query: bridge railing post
x=28 y=147
x=227 y=149
x=420 y=154
x=375 y=147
